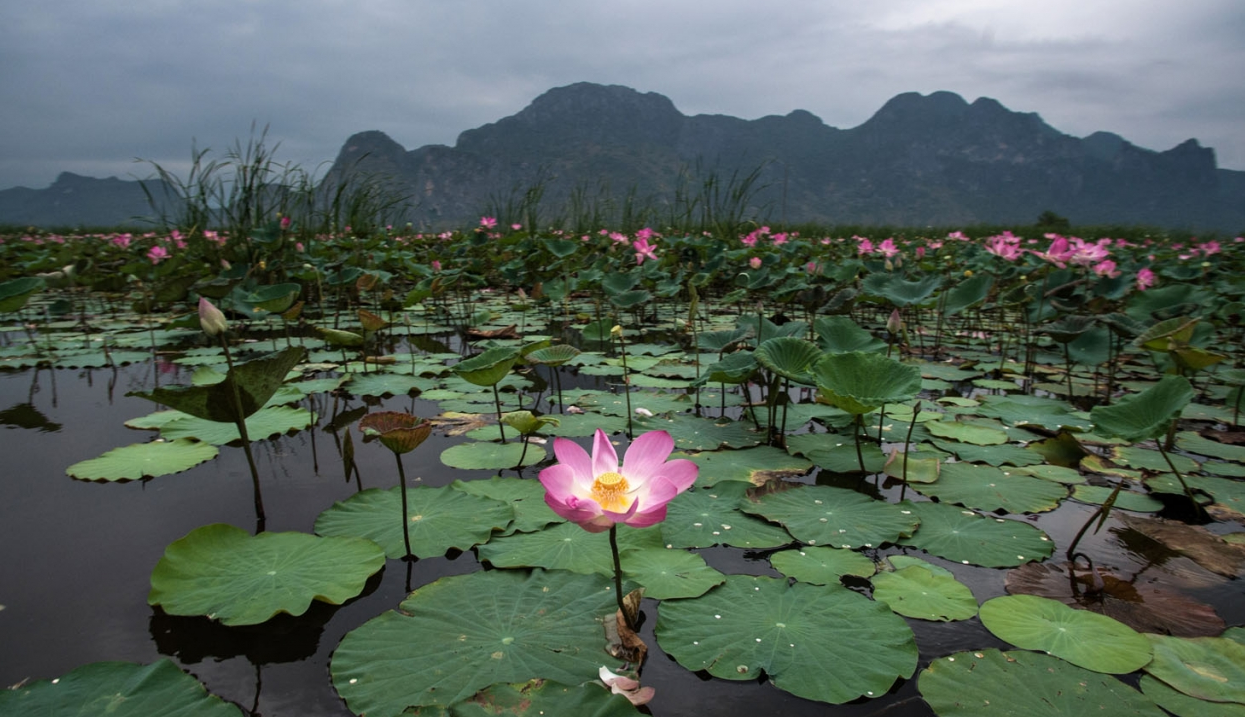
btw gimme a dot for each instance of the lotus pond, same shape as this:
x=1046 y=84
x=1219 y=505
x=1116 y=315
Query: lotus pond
x=935 y=475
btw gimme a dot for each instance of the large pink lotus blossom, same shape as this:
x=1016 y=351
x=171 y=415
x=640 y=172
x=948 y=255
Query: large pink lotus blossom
x=887 y=248
x=1005 y=246
x=596 y=492
x=1106 y=267
x=1145 y=279
x=643 y=250
x=1088 y=253
x=863 y=246
x=1059 y=252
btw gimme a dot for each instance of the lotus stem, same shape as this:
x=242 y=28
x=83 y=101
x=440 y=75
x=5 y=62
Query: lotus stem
x=618 y=593
x=1197 y=507
x=501 y=428
x=406 y=536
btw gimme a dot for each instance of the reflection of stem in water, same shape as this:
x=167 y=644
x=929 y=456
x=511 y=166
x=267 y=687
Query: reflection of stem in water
x=1197 y=507
x=259 y=687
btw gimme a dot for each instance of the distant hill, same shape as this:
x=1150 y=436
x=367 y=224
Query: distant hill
x=920 y=160
x=76 y=201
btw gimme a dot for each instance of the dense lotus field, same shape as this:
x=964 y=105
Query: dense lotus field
x=944 y=474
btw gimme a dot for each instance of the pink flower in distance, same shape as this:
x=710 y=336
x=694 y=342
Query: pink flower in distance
x=157 y=254
x=1106 y=268
x=643 y=250
x=1145 y=279
x=488 y=222
x=755 y=262
x=596 y=492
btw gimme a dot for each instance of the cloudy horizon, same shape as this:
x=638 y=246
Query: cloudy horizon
x=90 y=86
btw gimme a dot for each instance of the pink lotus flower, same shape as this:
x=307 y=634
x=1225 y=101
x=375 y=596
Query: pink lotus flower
x=755 y=262
x=863 y=246
x=157 y=254
x=488 y=222
x=643 y=250
x=1005 y=245
x=887 y=248
x=597 y=493
x=1106 y=268
x=1145 y=279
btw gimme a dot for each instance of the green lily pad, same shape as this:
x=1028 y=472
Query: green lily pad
x=967 y=433
x=968 y=684
x=964 y=536
x=754 y=466
x=566 y=546
x=583 y=425
x=1057 y=474
x=1086 y=639
x=835 y=517
x=753 y=625
x=667 y=574
x=1208 y=668
x=157 y=458
x=1194 y=443
x=703 y=517
x=1135 y=457
x=691 y=433
x=448 y=642
x=226 y=574
x=1007 y=454
x=541 y=697
x=438 y=519
x=988 y=488
x=1183 y=705
x=387 y=384
x=861 y=382
x=1146 y=414
x=899 y=562
x=117 y=689
x=265 y=423
x=525 y=497
x=821 y=566
x=920 y=593
x=1125 y=500
x=491 y=456
x=788 y=357
x=1019 y=410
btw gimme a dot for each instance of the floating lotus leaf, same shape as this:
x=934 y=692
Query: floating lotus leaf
x=229 y=575
x=822 y=566
x=899 y=562
x=566 y=546
x=1124 y=500
x=1008 y=454
x=581 y=425
x=536 y=698
x=788 y=357
x=835 y=517
x=1086 y=639
x=706 y=516
x=1192 y=541
x=525 y=497
x=157 y=458
x=861 y=382
x=920 y=593
x=668 y=573
x=1183 y=705
x=488 y=368
x=916 y=467
x=900 y=292
x=967 y=433
x=1145 y=605
x=461 y=634
x=1194 y=443
x=386 y=384
x=757 y=625
x=117 y=689
x=1144 y=415
x=969 y=684
x=754 y=466
x=988 y=488
x=964 y=536
x=491 y=456
x=256 y=381
x=839 y=334
x=267 y=422
x=1208 y=668
x=693 y=433
x=439 y=519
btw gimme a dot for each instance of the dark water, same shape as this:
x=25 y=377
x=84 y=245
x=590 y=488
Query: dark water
x=77 y=558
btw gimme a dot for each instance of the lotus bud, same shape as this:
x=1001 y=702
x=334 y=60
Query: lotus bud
x=616 y=331
x=890 y=266
x=211 y=319
x=894 y=325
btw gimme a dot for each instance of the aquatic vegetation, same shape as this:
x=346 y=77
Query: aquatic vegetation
x=757 y=529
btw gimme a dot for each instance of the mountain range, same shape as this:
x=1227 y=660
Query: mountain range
x=921 y=160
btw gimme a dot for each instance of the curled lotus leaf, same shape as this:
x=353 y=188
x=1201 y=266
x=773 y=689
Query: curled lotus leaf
x=860 y=382
x=397 y=431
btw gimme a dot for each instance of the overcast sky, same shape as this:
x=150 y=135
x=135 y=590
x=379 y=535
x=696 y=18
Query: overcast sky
x=89 y=85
